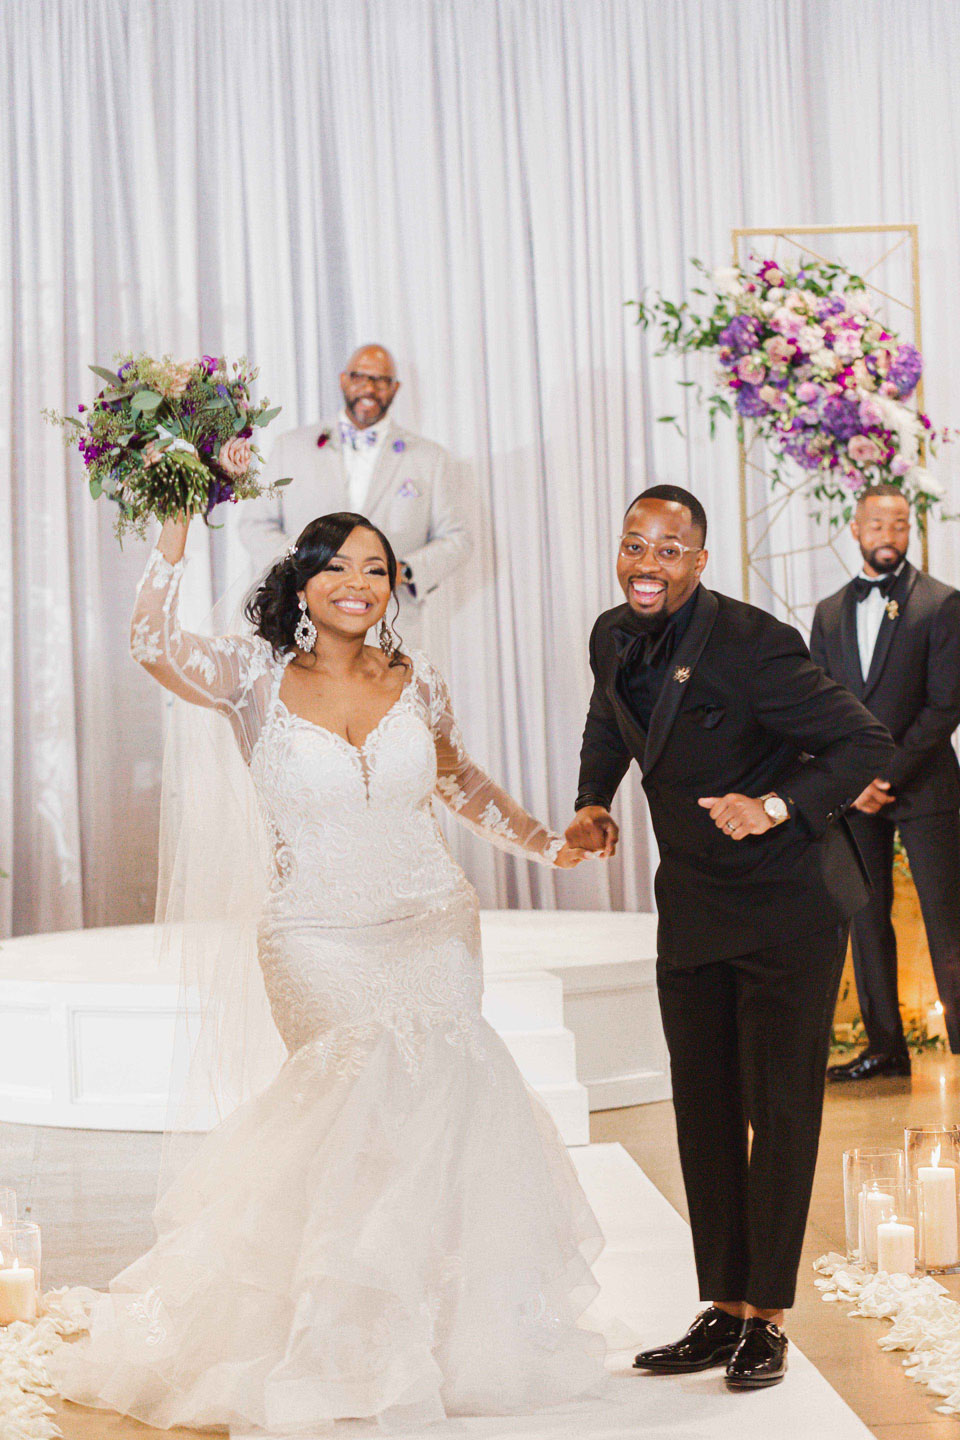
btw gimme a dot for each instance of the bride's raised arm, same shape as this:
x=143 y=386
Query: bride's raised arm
x=214 y=671
x=479 y=801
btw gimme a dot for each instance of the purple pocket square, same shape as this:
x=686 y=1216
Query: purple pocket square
x=408 y=491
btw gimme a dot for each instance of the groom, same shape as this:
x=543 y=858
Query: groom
x=750 y=756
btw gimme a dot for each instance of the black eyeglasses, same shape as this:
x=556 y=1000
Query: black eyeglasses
x=379 y=382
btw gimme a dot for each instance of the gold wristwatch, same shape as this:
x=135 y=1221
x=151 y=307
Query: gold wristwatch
x=774 y=808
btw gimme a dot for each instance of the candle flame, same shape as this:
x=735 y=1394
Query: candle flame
x=936 y=1155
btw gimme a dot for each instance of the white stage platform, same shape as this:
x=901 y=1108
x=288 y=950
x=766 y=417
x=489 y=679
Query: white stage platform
x=648 y=1295
x=86 y=1019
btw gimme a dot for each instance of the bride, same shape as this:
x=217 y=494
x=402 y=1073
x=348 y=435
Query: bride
x=391 y=1229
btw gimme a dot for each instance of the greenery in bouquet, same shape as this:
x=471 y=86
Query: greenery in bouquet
x=802 y=357
x=165 y=437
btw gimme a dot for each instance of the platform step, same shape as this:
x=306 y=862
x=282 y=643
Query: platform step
x=569 y=1107
x=529 y=1001
x=544 y=1057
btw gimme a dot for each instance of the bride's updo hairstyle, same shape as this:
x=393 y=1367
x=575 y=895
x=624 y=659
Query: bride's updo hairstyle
x=274 y=608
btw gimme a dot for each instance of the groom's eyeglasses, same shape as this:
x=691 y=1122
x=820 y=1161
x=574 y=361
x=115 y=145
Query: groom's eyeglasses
x=379 y=382
x=667 y=552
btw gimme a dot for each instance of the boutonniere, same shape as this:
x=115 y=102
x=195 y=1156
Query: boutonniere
x=682 y=674
x=322 y=439
x=399 y=446
x=893 y=609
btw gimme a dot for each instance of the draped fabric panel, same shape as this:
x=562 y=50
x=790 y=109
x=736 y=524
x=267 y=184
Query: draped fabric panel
x=480 y=184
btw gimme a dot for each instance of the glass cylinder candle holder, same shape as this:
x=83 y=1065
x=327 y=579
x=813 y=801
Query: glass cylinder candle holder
x=881 y=1201
x=8 y=1206
x=19 y=1272
x=882 y=1169
x=932 y=1154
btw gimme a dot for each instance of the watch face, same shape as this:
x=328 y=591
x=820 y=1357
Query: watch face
x=775 y=807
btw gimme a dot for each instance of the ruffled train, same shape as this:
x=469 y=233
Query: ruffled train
x=401 y=1243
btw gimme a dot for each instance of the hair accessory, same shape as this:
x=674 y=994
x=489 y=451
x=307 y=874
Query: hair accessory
x=290 y=551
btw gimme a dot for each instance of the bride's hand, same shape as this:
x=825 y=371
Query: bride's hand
x=569 y=857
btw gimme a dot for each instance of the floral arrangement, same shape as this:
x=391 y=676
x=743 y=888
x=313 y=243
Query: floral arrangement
x=166 y=437
x=804 y=359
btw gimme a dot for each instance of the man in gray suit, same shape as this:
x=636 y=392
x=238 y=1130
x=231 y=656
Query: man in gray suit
x=363 y=461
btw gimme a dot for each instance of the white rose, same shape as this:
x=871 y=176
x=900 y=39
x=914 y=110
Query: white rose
x=825 y=361
x=921 y=479
x=727 y=280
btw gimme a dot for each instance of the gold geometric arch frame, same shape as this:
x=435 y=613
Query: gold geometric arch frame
x=782 y=566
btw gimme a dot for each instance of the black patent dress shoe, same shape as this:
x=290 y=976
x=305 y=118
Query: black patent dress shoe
x=871 y=1067
x=761 y=1357
x=711 y=1340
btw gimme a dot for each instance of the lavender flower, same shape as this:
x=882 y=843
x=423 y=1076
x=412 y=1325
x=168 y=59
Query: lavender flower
x=741 y=335
x=831 y=305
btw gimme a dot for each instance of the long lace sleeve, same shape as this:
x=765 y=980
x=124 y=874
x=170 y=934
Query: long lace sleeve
x=476 y=799
x=215 y=671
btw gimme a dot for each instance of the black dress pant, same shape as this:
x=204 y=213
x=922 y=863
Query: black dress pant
x=932 y=843
x=748 y=1040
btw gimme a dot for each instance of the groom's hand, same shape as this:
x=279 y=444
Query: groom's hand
x=737 y=815
x=594 y=829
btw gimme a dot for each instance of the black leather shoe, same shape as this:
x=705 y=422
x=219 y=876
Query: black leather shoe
x=761 y=1357
x=711 y=1340
x=871 y=1067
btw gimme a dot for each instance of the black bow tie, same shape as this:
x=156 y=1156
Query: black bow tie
x=635 y=648
x=862 y=587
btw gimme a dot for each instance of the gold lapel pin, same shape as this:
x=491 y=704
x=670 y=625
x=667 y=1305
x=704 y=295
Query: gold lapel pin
x=893 y=609
x=682 y=674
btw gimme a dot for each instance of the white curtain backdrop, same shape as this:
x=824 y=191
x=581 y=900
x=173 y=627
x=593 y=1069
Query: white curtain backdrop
x=480 y=184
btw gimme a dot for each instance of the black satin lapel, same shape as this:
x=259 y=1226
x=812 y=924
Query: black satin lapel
x=888 y=627
x=848 y=642
x=682 y=665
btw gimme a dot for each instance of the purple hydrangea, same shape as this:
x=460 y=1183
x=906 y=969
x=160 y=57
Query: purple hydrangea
x=841 y=417
x=906 y=369
x=797 y=447
x=742 y=335
x=749 y=404
x=831 y=305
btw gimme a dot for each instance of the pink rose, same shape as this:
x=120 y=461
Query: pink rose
x=176 y=379
x=808 y=392
x=750 y=371
x=777 y=349
x=234 y=456
x=787 y=322
x=870 y=413
x=863 y=451
x=899 y=465
x=889 y=389
x=772 y=397
x=847 y=345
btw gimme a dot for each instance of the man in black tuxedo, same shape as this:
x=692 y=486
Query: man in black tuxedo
x=892 y=636
x=750 y=755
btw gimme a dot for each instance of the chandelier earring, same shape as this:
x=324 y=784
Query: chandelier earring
x=388 y=641
x=305 y=634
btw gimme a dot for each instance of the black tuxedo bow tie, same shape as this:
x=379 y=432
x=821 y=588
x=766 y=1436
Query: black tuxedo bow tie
x=862 y=587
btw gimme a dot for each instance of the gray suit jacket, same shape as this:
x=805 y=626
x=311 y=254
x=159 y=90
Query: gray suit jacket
x=411 y=498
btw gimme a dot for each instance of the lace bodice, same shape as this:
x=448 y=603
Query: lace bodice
x=353 y=826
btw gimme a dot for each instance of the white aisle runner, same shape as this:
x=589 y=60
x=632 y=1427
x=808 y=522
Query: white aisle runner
x=647 y=1282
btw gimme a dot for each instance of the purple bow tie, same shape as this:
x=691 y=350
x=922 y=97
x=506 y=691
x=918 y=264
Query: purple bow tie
x=355 y=438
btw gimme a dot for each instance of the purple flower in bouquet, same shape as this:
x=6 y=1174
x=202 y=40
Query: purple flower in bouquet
x=841 y=417
x=741 y=335
x=831 y=305
x=797 y=447
x=210 y=364
x=219 y=491
x=749 y=404
x=906 y=369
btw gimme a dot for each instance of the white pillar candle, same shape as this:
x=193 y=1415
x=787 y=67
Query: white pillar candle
x=938 y=1210
x=18 y=1295
x=877 y=1205
x=895 y=1248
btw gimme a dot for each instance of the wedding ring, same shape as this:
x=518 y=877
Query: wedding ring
x=731 y=824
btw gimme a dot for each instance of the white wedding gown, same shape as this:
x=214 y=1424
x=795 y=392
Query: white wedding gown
x=393 y=1228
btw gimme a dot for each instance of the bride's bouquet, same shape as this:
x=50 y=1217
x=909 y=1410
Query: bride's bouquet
x=166 y=437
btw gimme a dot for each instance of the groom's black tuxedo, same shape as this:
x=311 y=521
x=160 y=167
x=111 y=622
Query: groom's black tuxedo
x=752 y=933
x=912 y=685
x=742 y=709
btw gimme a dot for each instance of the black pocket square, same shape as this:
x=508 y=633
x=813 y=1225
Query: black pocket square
x=709 y=716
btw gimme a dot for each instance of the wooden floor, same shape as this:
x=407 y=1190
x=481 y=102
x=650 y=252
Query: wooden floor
x=92 y=1192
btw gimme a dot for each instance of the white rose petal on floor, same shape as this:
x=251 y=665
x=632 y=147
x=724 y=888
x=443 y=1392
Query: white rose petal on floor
x=926 y=1321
